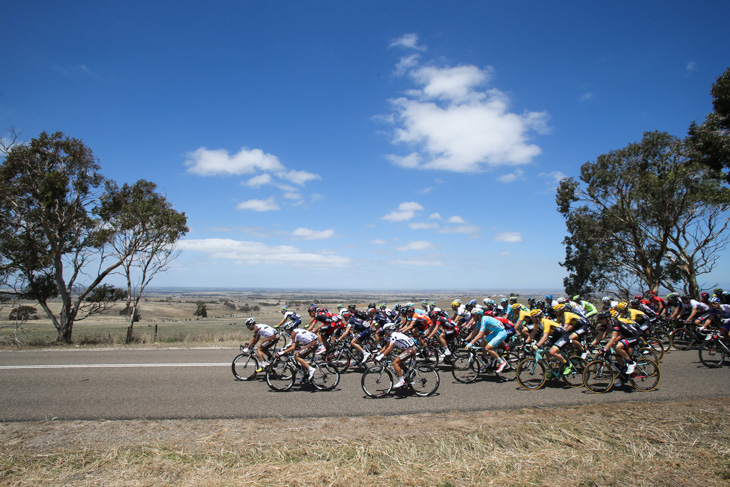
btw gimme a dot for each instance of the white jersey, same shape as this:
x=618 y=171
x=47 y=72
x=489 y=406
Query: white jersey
x=303 y=336
x=401 y=340
x=264 y=331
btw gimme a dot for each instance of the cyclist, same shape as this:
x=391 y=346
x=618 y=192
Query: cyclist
x=363 y=330
x=414 y=322
x=294 y=319
x=721 y=313
x=576 y=325
x=522 y=322
x=329 y=323
x=492 y=331
x=445 y=328
x=554 y=337
x=397 y=340
x=625 y=334
x=691 y=309
x=308 y=341
x=657 y=304
x=589 y=310
x=270 y=336
x=363 y=315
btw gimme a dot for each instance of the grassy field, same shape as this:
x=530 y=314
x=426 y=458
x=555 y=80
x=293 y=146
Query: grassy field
x=168 y=319
x=637 y=444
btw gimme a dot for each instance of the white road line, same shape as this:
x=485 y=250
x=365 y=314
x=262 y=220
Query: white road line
x=111 y=366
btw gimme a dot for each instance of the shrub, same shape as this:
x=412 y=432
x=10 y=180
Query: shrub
x=23 y=313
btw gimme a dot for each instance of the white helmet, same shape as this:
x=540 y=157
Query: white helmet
x=388 y=327
x=250 y=322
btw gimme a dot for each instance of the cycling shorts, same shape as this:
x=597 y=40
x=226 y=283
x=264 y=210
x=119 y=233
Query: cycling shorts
x=560 y=340
x=364 y=334
x=495 y=338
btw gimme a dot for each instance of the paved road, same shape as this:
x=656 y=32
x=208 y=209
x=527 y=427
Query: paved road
x=197 y=383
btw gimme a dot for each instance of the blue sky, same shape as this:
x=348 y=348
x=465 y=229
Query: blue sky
x=366 y=145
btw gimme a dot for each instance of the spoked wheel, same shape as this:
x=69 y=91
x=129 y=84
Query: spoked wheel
x=280 y=376
x=531 y=374
x=656 y=344
x=647 y=353
x=712 y=354
x=598 y=376
x=646 y=375
x=428 y=355
x=326 y=376
x=339 y=358
x=465 y=368
x=424 y=380
x=682 y=338
x=663 y=337
x=377 y=381
x=574 y=378
x=244 y=366
x=509 y=373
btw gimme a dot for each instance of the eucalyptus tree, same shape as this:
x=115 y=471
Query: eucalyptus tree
x=57 y=238
x=645 y=215
x=145 y=221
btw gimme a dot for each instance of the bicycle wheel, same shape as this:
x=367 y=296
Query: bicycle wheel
x=280 y=376
x=663 y=337
x=574 y=378
x=531 y=374
x=423 y=379
x=339 y=358
x=647 y=353
x=712 y=354
x=598 y=376
x=646 y=375
x=244 y=366
x=428 y=355
x=510 y=372
x=377 y=381
x=681 y=338
x=326 y=376
x=465 y=368
x=656 y=344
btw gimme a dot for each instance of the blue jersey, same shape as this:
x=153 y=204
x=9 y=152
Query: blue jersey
x=489 y=323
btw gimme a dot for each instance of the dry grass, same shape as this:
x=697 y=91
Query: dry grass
x=634 y=444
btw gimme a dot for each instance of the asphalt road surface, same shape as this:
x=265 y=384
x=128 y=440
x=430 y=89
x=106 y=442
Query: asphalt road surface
x=198 y=384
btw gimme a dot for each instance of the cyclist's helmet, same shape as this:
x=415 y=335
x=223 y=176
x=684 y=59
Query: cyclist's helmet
x=718 y=292
x=535 y=312
x=397 y=308
x=283 y=309
x=650 y=294
x=339 y=306
x=562 y=300
x=312 y=308
x=383 y=306
x=512 y=299
x=503 y=301
x=455 y=304
x=559 y=307
x=622 y=306
x=388 y=327
x=606 y=299
x=471 y=303
x=424 y=303
x=488 y=302
x=549 y=298
x=705 y=296
x=635 y=303
x=351 y=307
x=250 y=322
x=516 y=306
x=576 y=298
x=685 y=297
x=715 y=300
x=478 y=312
x=603 y=315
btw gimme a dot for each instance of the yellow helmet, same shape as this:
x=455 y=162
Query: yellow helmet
x=535 y=312
x=455 y=304
x=516 y=306
x=559 y=307
x=622 y=305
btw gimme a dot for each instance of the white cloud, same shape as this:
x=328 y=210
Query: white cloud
x=455 y=123
x=691 y=67
x=423 y=226
x=586 y=97
x=409 y=41
x=456 y=219
x=205 y=162
x=258 y=205
x=461 y=229
x=307 y=234
x=512 y=177
x=405 y=211
x=417 y=245
x=552 y=178
x=435 y=216
x=419 y=263
x=378 y=241
x=299 y=177
x=256 y=253
x=508 y=237
x=258 y=181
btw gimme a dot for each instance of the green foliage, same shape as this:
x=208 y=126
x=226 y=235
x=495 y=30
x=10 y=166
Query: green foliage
x=710 y=140
x=106 y=293
x=23 y=313
x=637 y=216
x=202 y=310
